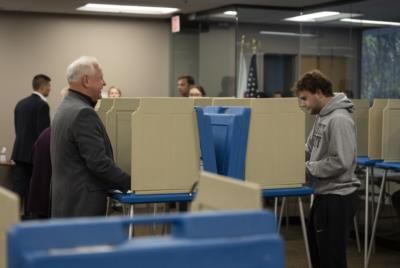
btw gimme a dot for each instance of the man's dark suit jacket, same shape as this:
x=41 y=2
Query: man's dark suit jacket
x=31 y=117
x=82 y=160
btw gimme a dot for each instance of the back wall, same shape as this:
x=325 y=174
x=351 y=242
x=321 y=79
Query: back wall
x=134 y=54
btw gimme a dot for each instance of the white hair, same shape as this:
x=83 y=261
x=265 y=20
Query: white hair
x=85 y=65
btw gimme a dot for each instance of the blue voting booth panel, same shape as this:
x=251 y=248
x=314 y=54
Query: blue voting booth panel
x=212 y=239
x=206 y=141
x=230 y=128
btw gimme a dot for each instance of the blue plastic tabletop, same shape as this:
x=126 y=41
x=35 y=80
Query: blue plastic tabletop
x=366 y=161
x=389 y=165
x=285 y=192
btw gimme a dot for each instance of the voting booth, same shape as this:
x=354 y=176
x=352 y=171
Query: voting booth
x=165 y=156
x=202 y=101
x=217 y=192
x=9 y=204
x=119 y=130
x=156 y=141
x=375 y=128
x=102 y=107
x=391 y=131
x=361 y=119
x=275 y=148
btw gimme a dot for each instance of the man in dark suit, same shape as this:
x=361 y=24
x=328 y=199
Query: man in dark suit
x=31 y=117
x=81 y=153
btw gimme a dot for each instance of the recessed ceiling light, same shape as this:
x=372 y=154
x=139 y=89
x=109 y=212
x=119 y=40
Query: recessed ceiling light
x=374 y=22
x=127 y=9
x=313 y=16
x=230 y=13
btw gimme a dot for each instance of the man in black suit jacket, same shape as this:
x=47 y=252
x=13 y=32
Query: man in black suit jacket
x=31 y=117
x=83 y=169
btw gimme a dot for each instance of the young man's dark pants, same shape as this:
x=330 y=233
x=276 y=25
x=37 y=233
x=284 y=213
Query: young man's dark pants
x=330 y=220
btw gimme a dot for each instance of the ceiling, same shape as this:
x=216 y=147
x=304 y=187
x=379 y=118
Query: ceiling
x=275 y=9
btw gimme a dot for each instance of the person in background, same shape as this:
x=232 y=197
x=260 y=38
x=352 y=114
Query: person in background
x=183 y=84
x=197 y=91
x=38 y=205
x=83 y=169
x=331 y=152
x=39 y=199
x=114 y=92
x=31 y=117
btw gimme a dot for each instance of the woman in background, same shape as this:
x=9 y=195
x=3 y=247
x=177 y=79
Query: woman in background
x=197 y=91
x=114 y=92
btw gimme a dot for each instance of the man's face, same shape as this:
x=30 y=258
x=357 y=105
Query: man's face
x=183 y=87
x=45 y=89
x=95 y=83
x=310 y=101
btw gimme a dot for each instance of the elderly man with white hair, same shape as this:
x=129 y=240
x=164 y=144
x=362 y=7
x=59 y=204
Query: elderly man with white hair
x=81 y=152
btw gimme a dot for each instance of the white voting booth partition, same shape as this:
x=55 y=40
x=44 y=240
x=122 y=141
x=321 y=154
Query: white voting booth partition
x=375 y=128
x=9 y=204
x=156 y=141
x=361 y=118
x=118 y=125
x=391 y=131
x=202 y=101
x=275 y=148
x=217 y=192
x=165 y=153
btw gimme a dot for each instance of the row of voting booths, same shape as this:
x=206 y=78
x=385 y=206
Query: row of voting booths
x=163 y=144
x=156 y=140
x=383 y=152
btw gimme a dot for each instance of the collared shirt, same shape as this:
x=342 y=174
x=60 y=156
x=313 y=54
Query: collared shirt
x=89 y=100
x=40 y=95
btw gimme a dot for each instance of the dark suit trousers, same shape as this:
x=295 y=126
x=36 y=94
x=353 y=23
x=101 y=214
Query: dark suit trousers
x=21 y=178
x=329 y=225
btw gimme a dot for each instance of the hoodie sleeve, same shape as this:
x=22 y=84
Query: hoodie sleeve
x=341 y=153
x=308 y=145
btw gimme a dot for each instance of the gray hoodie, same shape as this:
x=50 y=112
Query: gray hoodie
x=331 y=149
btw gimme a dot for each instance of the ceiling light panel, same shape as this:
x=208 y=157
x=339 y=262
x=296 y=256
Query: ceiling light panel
x=127 y=9
x=372 y=22
x=313 y=16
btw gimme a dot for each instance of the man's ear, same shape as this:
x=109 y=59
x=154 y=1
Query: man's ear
x=319 y=93
x=85 y=80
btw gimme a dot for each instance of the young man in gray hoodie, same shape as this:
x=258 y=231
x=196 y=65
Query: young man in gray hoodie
x=331 y=152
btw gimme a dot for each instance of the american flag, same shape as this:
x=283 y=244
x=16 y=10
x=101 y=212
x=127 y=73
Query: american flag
x=252 y=85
